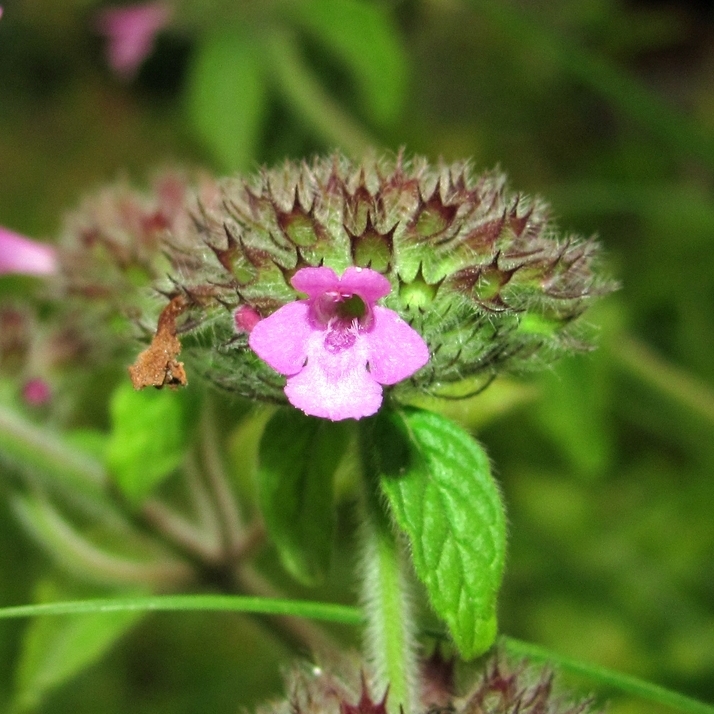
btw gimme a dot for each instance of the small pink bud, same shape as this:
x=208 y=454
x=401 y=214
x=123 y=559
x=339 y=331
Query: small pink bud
x=246 y=318
x=36 y=392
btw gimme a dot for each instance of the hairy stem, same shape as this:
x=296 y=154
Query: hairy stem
x=389 y=637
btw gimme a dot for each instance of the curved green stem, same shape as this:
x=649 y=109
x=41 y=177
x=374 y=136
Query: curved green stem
x=641 y=361
x=218 y=481
x=176 y=603
x=607 y=677
x=43 y=451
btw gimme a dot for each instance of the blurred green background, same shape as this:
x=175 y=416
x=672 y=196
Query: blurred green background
x=604 y=107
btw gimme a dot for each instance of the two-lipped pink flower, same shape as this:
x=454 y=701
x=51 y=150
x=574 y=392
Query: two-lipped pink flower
x=131 y=31
x=338 y=347
x=22 y=255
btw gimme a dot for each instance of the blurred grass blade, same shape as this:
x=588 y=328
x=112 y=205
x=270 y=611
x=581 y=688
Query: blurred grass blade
x=226 y=98
x=310 y=100
x=85 y=559
x=44 y=451
x=627 y=94
x=607 y=678
x=56 y=649
x=327 y=612
x=643 y=362
x=45 y=456
x=363 y=37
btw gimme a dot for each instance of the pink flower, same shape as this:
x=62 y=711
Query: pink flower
x=131 y=31
x=338 y=348
x=22 y=255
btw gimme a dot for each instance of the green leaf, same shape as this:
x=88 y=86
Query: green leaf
x=226 y=98
x=363 y=37
x=54 y=650
x=573 y=411
x=298 y=459
x=149 y=438
x=438 y=483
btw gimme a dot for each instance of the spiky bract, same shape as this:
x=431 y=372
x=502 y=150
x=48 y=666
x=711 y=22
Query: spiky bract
x=499 y=689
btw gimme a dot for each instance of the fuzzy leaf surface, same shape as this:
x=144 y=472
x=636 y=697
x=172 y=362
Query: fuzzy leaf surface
x=443 y=497
x=298 y=459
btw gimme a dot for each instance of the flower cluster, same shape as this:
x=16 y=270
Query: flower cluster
x=344 y=278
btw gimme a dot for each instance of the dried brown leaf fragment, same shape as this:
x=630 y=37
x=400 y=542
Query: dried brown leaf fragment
x=157 y=365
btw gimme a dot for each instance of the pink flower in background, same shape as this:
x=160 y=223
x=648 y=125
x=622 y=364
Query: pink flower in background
x=22 y=255
x=338 y=348
x=36 y=392
x=130 y=31
x=0 y=10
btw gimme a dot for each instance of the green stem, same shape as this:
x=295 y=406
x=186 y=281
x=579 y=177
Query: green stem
x=44 y=451
x=641 y=361
x=390 y=644
x=42 y=457
x=607 y=677
x=218 y=481
x=308 y=98
x=192 y=603
x=85 y=559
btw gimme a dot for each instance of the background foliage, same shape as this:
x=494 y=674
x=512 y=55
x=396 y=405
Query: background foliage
x=606 y=108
